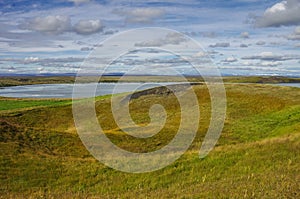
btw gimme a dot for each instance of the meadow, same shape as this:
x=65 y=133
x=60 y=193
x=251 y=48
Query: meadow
x=257 y=155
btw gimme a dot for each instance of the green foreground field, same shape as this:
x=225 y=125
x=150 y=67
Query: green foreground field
x=257 y=155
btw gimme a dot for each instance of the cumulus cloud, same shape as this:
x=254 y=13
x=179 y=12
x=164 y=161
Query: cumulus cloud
x=31 y=60
x=60 y=24
x=270 y=56
x=247 y=63
x=262 y=63
x=209 y=34
x=230 y=60
x=245 y=35
x=260 y=43
x=49 y=24
x=201 y=54
x=295 y=35
x=45 y=61
x=86 y=49
x=284 y=13
x=270 y=63
x=171 y=38
x=86 y=27
x=110 y=32
x=220 y=45
x=141 y=15
x=8 y=67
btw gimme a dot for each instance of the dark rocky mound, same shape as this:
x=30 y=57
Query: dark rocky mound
x=162 y=90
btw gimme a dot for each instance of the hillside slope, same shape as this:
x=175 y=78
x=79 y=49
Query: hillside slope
x=257 y=155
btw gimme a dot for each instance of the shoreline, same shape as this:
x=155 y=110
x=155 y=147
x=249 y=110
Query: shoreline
x=31 y=80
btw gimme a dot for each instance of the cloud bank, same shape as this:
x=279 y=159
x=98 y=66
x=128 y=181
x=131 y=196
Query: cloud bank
x=49 y=24
x=284 y=13
x=295 y=35
x=86 y=27
x=270 y=56
x=60 y=24
x=220 y=45
x=171 y=38
x=141 y=15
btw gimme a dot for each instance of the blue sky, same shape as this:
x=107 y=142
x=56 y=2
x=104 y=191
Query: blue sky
x=243 y=37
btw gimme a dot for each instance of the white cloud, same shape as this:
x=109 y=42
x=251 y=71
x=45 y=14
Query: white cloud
x=60 y=24
x=295 y=35
x=141 y=15
x=230 y=60
x=201 y=54
x=220 y=45
x=270 y=56
x=86 y=27
x=63 y=62
x=244 y=46
x=297 y=30
x=270 y=63
x=260 y=43
x=277 y=7
x=49 y=24
x=171 y=38
x=209 y=34
x=245 y=35
x=86 y=49
x=247 y=63
x=262 y=64
x=266 y=54
x=110 y=32
x=28 y=60
x=283 y=13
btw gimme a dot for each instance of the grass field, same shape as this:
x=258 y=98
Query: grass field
x=257 y=155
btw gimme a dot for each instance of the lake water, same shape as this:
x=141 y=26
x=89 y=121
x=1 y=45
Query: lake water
x=66 y=90
x=290 y=84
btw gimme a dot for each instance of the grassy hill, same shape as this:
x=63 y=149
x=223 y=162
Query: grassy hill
x=257 y=155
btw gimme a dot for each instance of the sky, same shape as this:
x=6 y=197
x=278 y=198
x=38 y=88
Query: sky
x=242 y=37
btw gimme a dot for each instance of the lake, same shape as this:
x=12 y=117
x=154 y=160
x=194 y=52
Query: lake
x=290 y=84
x=66 y=90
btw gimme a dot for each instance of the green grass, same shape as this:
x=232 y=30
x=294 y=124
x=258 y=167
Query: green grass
x=12 y=104
x=26 y=80
x=257 y=155
x=261 y=79
x=268 y=125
